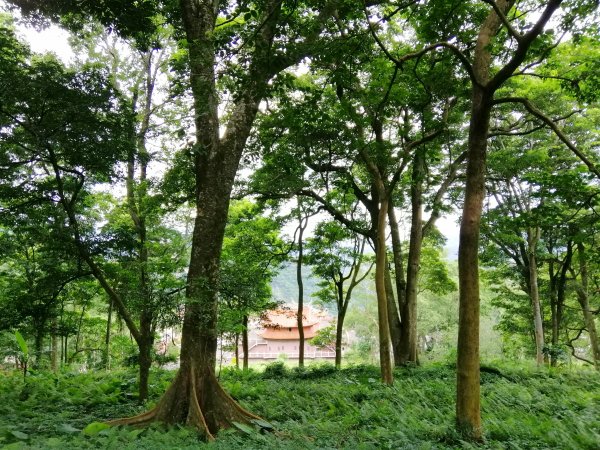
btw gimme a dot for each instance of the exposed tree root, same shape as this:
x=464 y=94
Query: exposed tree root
x=194 y=399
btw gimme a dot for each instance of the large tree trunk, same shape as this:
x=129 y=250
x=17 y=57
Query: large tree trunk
x=468 y=411
x=393 y=312
x=195 y=396
x=582 y=296
x=397 y=256
x=145 y=355
x=408 y=353
x=533 y=235
x=468 y=414
x=385 y=360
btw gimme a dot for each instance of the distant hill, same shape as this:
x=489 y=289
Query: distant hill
x=285 y=286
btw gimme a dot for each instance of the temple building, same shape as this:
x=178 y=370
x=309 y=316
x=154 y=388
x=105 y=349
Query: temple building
x=276 y=335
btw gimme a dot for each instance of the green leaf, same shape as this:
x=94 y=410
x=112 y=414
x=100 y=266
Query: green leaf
x=22 y=343
x=243 y=428
x=94 y=428
x=14 y=446
x=54 y=442
x=263 y=424
x=67 y=428
x=20 y=435
x=135 y=433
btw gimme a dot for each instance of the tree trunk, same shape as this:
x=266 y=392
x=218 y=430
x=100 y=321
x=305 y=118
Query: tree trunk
x=533 y=235
x=393 y=312
x=38 y=345
x=553 y=300
x=408 y=342
x=339 y=329
x=468 y=409
x=561 y=294
x=582 y=296
x=195 y=396
x=393 y=316
x=245 y=346
x=385 y=361
x=107 y=337
x=300 y=311
x=397 y=253
x=65 y=351
x=54 y=347
x=237 y=351
x=145 y=355
x=468 y=416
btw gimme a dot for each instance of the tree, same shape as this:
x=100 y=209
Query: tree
x=62 y=131
x=488 y=70
x=336 y=256
x=349 y=142
x=76 y=128
x=252 y=255
x=36 y=270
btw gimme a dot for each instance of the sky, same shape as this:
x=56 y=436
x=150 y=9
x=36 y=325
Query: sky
x=51 y=39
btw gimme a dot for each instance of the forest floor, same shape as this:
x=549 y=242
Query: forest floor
x=316 y=408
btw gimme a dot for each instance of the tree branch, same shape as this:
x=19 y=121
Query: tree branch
x=514 y=33
x=559 y=133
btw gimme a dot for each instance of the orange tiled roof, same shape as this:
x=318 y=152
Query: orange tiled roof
x=282 y=323
x=286 y=318
x=288 y=333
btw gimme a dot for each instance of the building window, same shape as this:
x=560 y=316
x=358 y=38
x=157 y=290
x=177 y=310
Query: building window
x=290 y=330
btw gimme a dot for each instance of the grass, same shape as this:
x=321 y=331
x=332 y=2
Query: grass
x=317 y=407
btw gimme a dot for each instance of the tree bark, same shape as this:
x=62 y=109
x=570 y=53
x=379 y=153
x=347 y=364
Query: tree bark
x=339 y=335
x=468 y=414
x=54 y=347
x=145 y=354
x=38 y=345
x=237 y=351
x=397 y=254
x=245 y=347
x=533 y=234
x=582 y=296
x=561 y=294
x=408 y=342
x=302 y=222
x=107 y=337
x=468 y=410
x=394 y=323
x=553 y=301
x=385 y=360
x=195 y=396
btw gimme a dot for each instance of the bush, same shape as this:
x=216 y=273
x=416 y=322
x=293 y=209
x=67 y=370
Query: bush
x=275 y=369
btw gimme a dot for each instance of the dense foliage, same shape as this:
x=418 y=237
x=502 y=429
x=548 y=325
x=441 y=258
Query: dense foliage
x=317 y=407
x=152 y=187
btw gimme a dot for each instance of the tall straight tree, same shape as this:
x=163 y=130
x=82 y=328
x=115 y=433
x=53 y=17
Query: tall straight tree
x=505 y=45
x=252 y=36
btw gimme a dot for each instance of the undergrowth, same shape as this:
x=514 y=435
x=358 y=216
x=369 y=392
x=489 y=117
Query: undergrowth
x=317 y=407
